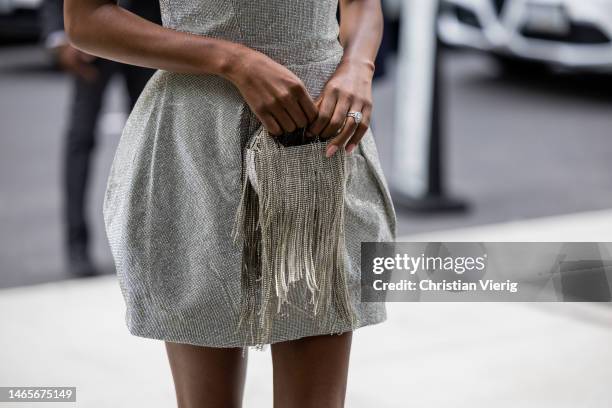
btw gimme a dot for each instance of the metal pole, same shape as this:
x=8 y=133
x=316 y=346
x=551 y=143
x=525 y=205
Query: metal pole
x=418 y=179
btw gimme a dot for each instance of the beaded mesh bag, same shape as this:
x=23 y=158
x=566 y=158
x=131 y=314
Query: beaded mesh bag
x=290 y=221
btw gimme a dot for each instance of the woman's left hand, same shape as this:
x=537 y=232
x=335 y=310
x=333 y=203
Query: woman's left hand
x=348 y=90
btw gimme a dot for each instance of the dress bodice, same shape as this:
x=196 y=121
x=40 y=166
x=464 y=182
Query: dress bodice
x=290 y=31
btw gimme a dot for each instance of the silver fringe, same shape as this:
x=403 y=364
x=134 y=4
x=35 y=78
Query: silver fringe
x=290 y=221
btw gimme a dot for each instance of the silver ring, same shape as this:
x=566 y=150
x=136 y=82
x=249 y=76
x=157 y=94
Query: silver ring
x=358 y=116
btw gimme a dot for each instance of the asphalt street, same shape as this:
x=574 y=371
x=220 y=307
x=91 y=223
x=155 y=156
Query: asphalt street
x=517 y=148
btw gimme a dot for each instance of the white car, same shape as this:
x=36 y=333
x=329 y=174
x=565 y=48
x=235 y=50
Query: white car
x=572 y=34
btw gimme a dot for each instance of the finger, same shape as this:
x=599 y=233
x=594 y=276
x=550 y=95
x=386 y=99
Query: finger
x=326 y=107
x=338 y=118
x=284 y=120
x=85 y=57
x=85 y=71
x=362 y=128
x=271 y=124
x=309 y=107
x=297 y=114
x=317 y=104
x=340 y=141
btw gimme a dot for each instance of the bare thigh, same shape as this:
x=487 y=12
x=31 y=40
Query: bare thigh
x=206 y=376
x=311 y=372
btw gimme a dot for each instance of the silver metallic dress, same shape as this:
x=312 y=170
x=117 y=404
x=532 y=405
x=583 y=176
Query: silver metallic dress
x=175 y=182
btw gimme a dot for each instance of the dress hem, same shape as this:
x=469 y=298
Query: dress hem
x=140 y=331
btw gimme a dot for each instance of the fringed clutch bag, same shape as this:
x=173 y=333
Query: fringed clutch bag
x=290 y=221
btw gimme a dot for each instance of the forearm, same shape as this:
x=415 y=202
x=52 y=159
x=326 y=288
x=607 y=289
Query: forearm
x=109 y=31
x=361 y=28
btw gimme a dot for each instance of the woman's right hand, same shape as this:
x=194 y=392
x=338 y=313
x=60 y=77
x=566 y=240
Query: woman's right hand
x=275 y=94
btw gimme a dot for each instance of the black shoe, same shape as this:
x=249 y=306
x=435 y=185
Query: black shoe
x=79 y=263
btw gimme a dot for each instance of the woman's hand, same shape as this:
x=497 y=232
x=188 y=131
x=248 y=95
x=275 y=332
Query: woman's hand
x=348 y=90
x=275 y=94
x=76 y=62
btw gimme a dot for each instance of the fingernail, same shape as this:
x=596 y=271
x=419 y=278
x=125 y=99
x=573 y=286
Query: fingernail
x=331 y=150
x=350 y=148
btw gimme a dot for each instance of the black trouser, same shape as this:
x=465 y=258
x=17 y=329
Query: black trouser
x=80 y=140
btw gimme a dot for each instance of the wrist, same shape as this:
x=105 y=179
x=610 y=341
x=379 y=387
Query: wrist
x=361 y=63
x=231 y=62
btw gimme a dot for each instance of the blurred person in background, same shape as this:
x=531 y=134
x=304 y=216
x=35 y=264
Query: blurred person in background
x=389 y=42
x=91 y=76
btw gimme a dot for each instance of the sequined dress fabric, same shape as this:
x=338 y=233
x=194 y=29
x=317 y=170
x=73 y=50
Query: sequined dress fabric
x=175 y=181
